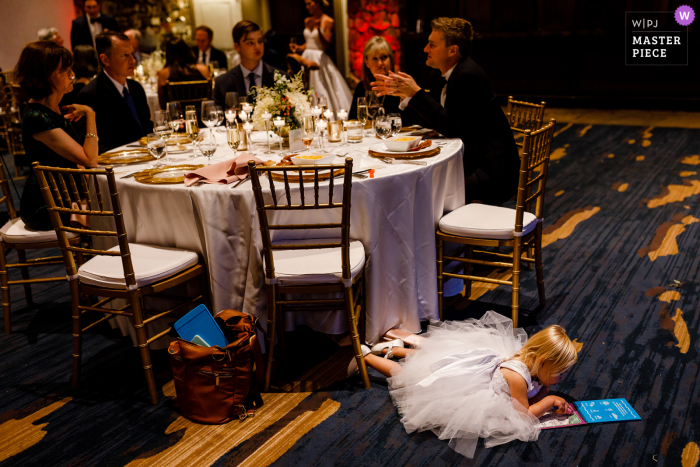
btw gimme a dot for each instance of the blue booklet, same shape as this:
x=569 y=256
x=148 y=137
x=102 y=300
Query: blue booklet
x=586 y=412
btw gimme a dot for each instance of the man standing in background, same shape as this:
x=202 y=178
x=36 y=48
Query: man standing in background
x=90 y=25
x=135 y=36
x=205 y=52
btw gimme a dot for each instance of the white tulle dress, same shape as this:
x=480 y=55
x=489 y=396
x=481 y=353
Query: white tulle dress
x=327 y=80
x=453 y=386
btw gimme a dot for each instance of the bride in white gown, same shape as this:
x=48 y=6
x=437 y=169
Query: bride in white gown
x=327 y=80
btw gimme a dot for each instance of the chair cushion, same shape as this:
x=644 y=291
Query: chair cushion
x=322 y=266
x=14 y=231
x=151 y=264
x=484 y=221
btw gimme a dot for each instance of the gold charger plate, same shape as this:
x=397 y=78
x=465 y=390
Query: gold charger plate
x=128 y=156
x=293 y=177
x=402 y=155
x=172 y=141
x=168 y=174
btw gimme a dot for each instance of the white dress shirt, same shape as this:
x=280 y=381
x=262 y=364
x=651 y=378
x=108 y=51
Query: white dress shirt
x=95 y=28
x=443 y=94
x=258 y=76
x=204 y=56
x=120 y=87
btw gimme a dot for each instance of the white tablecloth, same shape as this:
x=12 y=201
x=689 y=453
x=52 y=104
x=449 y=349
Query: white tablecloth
x=394 y=214
x=152 y=98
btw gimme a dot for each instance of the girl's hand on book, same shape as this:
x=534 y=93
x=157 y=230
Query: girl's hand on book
x=562 y=407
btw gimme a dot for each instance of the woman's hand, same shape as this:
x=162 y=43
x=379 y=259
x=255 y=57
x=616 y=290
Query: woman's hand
x=76 y=111
x=396 y=84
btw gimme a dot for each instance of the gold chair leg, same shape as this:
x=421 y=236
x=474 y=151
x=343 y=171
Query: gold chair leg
x=24 y=270
x=468 y=270
x=517 y=251
x=439 y=244
x=143 y=346
x=357 y=346
x=538 y=265
x=271 y=312
x=77 y=330
x=5 y=287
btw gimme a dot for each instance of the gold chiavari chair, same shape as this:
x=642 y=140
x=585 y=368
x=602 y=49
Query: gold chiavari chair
x=189 y=92
x=321 y=266
x=16 y=236
x=128 y=271
x=12 y=101
x=524 y=116
x=494 y=226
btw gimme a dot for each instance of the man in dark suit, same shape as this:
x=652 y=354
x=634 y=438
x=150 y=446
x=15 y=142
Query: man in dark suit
x=120 y=104
x=87 y=27
x=461 y=104
x=250 y=45
x=205 y=52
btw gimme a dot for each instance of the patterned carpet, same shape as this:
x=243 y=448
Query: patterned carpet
x=621 y=267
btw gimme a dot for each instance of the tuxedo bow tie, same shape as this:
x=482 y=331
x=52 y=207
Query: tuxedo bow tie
x=96 y=20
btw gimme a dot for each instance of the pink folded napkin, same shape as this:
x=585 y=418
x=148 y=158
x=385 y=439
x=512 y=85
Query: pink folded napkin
x=224 y=172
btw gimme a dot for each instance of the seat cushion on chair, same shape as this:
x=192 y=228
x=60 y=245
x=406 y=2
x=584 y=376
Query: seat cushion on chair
x=151 y=264
x=14 y=231
x=315 y=266
x=484 y=221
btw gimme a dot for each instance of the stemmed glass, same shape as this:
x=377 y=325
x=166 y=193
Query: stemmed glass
x=207 y=145
x=374 y=103
x=382 y=127
x=219 y=116
x=343 y=116
x=396 y=124
x=208 y=114
x=162 y=128
x=279 y=123
x=309 y=131
x=362 y=111
x=248 y=127
x=231 y=101
x=233 y=137
x=267 y=116
x=321 y=124
x=156 y=147
x=191 y=125
x=177 y=120
x=323 y=103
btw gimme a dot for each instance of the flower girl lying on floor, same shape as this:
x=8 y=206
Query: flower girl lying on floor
x=475 y=379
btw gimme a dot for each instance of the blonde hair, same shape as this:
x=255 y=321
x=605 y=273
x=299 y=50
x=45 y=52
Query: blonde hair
x=375 y=44
x=549 y=345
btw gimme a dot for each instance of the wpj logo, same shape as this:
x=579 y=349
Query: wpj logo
x=657 y=37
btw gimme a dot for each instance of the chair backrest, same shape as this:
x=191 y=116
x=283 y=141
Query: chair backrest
x=188 y=92
x=524 y=115
x=63 y=195
x=6 y=193
x=534 y=164
x=302 y=175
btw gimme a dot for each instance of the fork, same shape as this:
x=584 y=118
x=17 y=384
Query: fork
x=388 y=160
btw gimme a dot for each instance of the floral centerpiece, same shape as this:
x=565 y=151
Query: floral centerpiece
x=287 y=99
x=153 y=64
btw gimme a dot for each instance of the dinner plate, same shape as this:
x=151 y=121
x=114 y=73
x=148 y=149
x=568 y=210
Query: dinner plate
x=168 y=174
x=178 y=149
x=128 y=156
x=382 y=150
x=172 y=141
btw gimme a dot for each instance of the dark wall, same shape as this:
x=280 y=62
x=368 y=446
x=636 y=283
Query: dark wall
x=287 y=19
x=568 y=52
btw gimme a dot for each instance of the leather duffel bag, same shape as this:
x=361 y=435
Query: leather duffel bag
x=216 y=385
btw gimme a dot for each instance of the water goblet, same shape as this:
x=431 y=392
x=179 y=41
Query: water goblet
x=219 y=116
x=156 y=147
x=208 y=114
x=177 y=121
x=396 y=123
x=207 y=145
x=382 y=127
x=161 y=126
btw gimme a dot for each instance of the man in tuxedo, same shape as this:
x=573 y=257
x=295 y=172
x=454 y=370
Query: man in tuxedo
x=120 y=104
x=461 y=104
x=135 y=37
x=205 y=52
x=87 y=27
x=250 y=45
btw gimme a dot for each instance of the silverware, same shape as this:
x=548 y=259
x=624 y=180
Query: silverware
x=240 y=182
x=130 y=175
x=360 y=175
x=388 y=160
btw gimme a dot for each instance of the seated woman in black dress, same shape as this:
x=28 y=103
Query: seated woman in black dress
x=378 y=58
x=180 y=65
x=85 y=67
x=44 y=73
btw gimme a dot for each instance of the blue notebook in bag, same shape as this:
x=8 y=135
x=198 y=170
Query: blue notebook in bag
x=198 y=326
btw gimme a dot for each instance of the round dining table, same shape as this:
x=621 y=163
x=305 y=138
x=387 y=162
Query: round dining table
x=394 y=214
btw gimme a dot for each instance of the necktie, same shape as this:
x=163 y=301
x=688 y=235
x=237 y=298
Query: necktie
x=96 y=20
x=442 y=86
x=130 y=103
x=251 y=81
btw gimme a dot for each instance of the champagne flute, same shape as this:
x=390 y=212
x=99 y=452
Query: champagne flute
x=362 y=111
x=323 y=103
x=161 y=126
x=175 y=114
x=321 y=124
x=207 y=145
x=396 y=123
x=382 y=127
x=233 y=138
x=279 y=123
x=191 y=125
x=343 y=116
x=156 y=147
x=267 y=116
x=309 y=131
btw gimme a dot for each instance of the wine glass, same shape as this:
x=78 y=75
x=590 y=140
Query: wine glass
x=279 y=123
x=373 y=103
x=208 y=114
x=207 y=145
x=191 y=125
x=215 y=69
x=161 y=126
x=323 y=103
x=177 y=120
x=382 y=127
x=321 y=124
x=156 y=147
x=231 y=101
x=219 y=117
x=293 y=44
x=233 y=138
x=362 y=111
x=396 y=124
x=309 y=131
